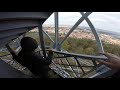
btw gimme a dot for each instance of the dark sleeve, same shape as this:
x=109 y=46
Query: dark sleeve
x=39 y=59
x=15 y=57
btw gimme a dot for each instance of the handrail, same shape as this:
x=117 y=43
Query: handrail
x=65 y=54
x=81 y=55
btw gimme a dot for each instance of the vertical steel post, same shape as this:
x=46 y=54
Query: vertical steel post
x=41 y=39
x=56 y=31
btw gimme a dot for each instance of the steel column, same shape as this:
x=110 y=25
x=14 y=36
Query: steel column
x=56 y=31
x=41 y=39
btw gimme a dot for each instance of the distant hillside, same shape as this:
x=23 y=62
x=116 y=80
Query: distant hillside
x=112 y=33
x=85 y=32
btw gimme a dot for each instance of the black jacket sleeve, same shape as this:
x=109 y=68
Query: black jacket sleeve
x=45 y=61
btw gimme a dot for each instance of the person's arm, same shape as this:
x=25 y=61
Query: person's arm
x=46 y=61
x=50 y=56
x=14 y=55
x=113 y=61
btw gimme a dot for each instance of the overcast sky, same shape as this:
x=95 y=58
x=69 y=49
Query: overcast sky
x=103 y=20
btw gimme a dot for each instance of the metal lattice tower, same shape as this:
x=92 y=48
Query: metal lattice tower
x=15 y=24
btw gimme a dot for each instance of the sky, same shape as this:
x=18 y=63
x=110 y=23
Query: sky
x=109 y=21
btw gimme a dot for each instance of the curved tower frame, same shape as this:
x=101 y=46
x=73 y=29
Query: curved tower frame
x=57 y=44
